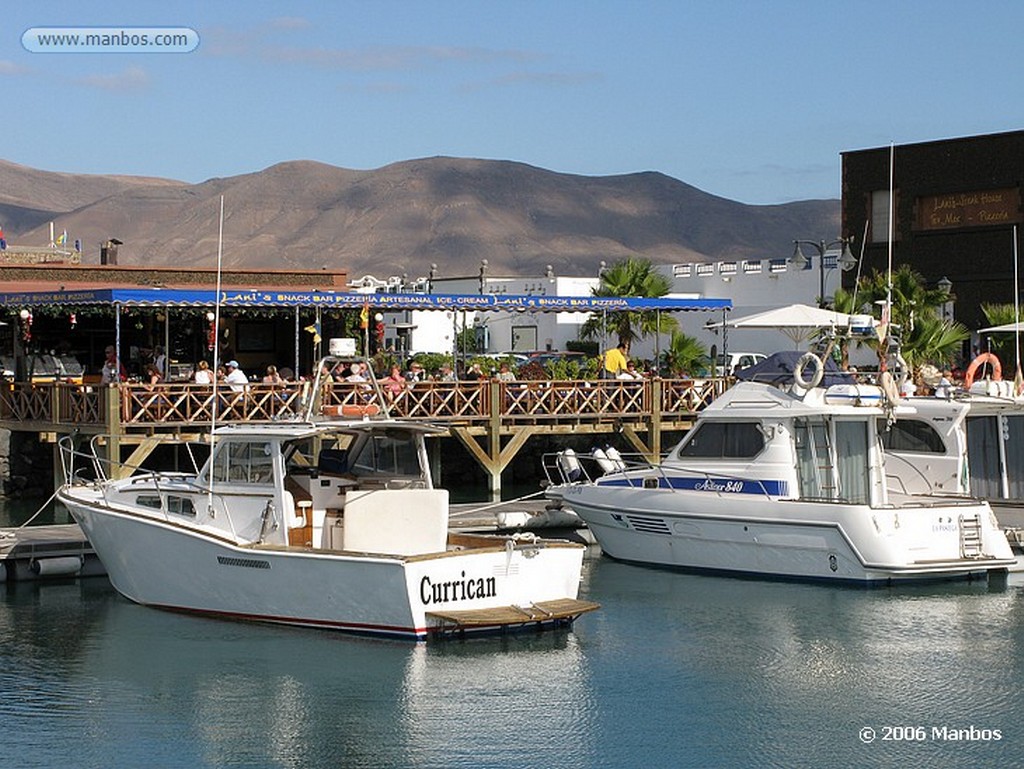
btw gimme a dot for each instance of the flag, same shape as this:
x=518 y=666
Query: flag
x=62 y=238
x=314 y=329
x=1018 y=382
x=364 y=317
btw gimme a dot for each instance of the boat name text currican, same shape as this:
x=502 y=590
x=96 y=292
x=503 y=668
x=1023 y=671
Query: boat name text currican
x=457 y=589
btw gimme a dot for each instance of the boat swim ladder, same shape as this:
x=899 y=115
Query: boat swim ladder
x=970 y=536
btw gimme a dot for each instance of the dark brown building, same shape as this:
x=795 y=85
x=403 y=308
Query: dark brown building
x=956 y=204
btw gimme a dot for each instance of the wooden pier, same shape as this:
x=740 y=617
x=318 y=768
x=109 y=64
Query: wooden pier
x=493 y=420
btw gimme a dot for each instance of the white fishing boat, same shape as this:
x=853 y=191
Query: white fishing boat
x=787 y=484
x=332 y=524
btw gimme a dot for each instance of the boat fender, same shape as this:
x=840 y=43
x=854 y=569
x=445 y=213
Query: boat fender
x=890 y=390
x=972 y=370
x=606 y=465
x=808 y=359
x=57 y=567
x=569 y=465
x=613 y=454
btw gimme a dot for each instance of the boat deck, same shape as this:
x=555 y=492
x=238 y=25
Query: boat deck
x=36 y=552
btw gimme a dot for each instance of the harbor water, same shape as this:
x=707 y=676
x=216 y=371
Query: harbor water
x=675 y=670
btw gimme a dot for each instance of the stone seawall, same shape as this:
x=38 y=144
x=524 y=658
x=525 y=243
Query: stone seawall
x=26 y=465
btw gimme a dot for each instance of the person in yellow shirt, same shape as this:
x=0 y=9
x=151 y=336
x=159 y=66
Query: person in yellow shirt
x=615 y=361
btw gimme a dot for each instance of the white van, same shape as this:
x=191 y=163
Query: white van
x=737 y=361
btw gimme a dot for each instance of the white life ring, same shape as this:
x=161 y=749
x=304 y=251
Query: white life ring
x=808 y=358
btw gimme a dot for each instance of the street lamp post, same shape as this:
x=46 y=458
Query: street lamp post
x=946 y=287
x=846 y=261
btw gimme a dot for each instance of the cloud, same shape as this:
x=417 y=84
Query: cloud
x=265 y=42
x=390 y=58
x=375 y=88
x=10 y=68
x=545 y=79
x=132 y=78
x=289 y=22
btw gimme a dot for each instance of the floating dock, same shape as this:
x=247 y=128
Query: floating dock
x=45 y=552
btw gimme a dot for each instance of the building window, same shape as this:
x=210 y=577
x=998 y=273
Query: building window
x=751 y=266
x=880 y=216
x=727 y=268
x=705 y=269
x=777 y=265
x=682 y=270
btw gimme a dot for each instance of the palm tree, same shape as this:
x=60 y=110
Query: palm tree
x=925 y=335
x=1002 y=343
x=632 y=277
x=685 y=355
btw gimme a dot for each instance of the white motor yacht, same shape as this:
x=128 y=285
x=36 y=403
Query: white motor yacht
x=787 y=484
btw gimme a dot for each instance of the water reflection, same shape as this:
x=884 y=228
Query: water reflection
x=123 y=683
x=674 y=671
x=16 y=511
x=784 y=675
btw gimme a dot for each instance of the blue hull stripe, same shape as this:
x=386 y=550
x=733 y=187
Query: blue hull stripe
x=713 y=485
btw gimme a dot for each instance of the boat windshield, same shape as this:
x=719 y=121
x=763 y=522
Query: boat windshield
x=392 y=453
x=243 y=462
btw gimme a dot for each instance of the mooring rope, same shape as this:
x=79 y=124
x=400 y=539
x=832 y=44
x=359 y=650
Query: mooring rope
x=498 y=504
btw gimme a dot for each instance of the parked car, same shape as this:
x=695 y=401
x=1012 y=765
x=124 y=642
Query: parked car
x=732 y=362
x=517 y=358
x=551 y=356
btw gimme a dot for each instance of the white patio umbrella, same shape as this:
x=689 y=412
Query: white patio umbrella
x=1006 y=327
x=799 y=321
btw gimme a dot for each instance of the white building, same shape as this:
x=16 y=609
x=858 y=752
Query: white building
x=753 y=285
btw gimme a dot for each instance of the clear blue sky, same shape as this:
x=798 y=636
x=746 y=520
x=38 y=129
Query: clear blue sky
x=752 y=101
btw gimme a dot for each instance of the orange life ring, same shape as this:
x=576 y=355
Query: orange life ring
x=360 y=410
x=351 y=410
x=985 y=357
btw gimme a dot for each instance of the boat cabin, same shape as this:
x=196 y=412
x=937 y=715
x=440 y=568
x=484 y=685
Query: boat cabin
x=363 y=486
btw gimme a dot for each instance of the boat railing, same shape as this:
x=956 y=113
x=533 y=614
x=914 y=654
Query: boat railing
x=565 y=468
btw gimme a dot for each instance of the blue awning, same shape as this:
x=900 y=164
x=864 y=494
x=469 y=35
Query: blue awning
x=164 y=297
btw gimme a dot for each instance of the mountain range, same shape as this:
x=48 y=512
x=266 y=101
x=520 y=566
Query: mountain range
x=402 y=218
